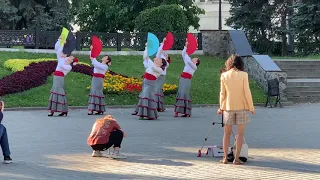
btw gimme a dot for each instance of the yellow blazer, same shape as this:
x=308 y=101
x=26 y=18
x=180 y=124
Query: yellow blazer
x=235 y=92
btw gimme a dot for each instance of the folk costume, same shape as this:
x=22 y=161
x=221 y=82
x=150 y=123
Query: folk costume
x=183 y=98
x=160 y=81
x=96 y=96
x=147 y=105
x=58 y=99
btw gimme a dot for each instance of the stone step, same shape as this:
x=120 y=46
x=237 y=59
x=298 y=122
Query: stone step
x=299 y=66
x=302 y=88
x=303 y=82
x=304 y=100
x=302 y=76
x=303 y=94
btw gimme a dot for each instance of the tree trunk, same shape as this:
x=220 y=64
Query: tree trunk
x=284 y=33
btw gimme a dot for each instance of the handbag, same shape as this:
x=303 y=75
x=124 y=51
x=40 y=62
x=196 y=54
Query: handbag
x=244 y=154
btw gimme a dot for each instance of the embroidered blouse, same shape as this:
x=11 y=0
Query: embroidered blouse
x=189 y=67
x=62 y=66
x=99 y=67
x=151 y=68
x=160 y=54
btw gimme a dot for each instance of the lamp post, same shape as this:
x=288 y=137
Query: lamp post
x=220 y=19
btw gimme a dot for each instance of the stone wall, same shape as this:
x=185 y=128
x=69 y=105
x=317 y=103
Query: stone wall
x=217 y=43
x=257 y=73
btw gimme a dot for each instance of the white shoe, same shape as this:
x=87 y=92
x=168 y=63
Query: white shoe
x=97 y=154
x=118 y=156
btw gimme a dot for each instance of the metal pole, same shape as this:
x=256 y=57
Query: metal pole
x=220 y=18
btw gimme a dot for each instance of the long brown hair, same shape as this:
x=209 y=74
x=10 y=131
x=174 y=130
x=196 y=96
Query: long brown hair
x=234 y=61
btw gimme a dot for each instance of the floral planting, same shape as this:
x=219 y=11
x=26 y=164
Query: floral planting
x=29 y=74
x=19 y=64
x=119 y=84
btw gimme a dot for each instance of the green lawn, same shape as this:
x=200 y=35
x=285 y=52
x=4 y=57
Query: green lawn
x=313 y=57
x=205 y=84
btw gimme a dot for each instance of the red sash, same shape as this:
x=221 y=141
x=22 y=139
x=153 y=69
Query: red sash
x=58 y=73
x=149 y=76
x=98 y=75
x=186 y=75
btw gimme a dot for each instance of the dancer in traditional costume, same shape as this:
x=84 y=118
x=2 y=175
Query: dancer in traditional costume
x=161 y=78
x=183 y=98
x=96 y=96
x=58 y=99
x=147 y=105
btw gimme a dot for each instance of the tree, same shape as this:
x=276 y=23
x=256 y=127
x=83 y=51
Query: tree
x=255 y=18
x=8 y=16
x=46 y=14
x=264 y=21
x=120 y=14
x=163 y=18
x=306 y=21
x=100 y=16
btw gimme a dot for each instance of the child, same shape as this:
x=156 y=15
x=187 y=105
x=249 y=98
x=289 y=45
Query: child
x=4 y=138
x=105 y=133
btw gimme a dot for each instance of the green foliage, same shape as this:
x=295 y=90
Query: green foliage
x=255 y=18
x=163 y=18
x=306 y=22
x=28 y=14
x=100 y=16
x=8 y=16
x=113 y=15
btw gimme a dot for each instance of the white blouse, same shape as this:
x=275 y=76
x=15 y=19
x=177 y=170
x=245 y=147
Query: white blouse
x=160 y=54
x=151 y=68
x=189 y=67
x=62 y=66
x=99 y=68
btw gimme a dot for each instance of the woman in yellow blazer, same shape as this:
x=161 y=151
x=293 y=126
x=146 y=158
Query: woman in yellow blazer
x=235 y=103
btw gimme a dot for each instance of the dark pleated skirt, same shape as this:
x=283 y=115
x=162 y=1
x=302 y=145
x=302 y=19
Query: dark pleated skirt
x=58 y=99
x=159 y=92
x=96 y=96
x=183 y=98
x=147 y=105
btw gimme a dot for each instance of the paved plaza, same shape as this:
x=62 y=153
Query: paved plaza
x=283 y=144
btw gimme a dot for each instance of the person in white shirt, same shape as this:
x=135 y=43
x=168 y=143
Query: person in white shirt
x=161 y=78
x=96 y=97
x=58 y=99
x=183 y=98
x=147 y=105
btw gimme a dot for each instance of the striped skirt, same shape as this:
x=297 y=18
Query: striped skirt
x=96 y=96
x=183 y=98
x=58 y=99
x=159 y=92
x=147 y=105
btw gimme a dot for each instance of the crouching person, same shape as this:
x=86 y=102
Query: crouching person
x=106 y=133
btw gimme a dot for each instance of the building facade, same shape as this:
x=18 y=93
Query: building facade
x=210 y=20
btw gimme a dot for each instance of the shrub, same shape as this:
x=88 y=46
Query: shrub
x=163 y=18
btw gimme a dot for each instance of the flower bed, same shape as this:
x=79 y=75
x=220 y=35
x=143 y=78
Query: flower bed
x=29 y=74
x=19 y=64
x=119 y=84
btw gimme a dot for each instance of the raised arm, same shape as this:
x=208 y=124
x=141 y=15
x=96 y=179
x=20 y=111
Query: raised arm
x=58 y=48
x=247 y=93
x=160 y=51
x=184 y=52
